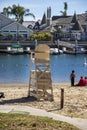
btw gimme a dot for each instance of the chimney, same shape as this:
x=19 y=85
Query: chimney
x=48 y=16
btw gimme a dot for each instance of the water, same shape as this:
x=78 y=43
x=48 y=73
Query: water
x=15 y=68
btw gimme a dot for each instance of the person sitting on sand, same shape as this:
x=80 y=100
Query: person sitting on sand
x=82 y=81
x=86 y=80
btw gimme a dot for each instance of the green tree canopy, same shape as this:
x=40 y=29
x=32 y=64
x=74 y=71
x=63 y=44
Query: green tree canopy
x=18 y=11
x=64 y=13
x=7 y=11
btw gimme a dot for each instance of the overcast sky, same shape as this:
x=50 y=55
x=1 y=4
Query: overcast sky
x=38 y=7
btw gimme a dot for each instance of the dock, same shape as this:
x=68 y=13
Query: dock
x=66 y=46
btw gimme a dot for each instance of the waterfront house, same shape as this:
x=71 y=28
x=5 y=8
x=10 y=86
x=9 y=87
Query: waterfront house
x=65 y=27
x=9 y=26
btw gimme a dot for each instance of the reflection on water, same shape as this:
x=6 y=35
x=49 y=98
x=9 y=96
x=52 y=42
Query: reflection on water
x=15 y=68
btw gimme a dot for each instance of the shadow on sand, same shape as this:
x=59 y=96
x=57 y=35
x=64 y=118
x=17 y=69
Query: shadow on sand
x=19 y=100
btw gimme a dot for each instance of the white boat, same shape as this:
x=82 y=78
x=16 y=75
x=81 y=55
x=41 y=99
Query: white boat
x=15 y=49
x=55 y=51
x=79 y=50
x=85 y=63
x=27 y=50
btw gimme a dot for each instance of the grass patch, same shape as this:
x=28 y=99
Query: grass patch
x=15 y=121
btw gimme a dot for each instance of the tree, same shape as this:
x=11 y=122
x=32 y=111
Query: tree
x=18 y=11
x=7 y=11
x=64 y=13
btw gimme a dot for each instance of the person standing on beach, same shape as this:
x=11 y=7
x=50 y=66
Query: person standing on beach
x=72 y=77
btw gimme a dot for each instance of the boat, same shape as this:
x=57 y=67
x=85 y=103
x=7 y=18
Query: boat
x=27 y=50
x=75 y=50
x=15 y=49
x=79 y=50
x=85 y=63
x=55 y=51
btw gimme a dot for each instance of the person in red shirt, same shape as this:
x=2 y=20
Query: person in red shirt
x=82 y=82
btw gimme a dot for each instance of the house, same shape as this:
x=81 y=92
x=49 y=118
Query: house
x=73 y=27
x=29 y=24
x=65 y=27
x=9 y=26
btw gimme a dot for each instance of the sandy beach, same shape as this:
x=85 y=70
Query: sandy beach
x=75 y=99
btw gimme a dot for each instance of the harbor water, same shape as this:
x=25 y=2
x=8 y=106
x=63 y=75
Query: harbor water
x=16 y=68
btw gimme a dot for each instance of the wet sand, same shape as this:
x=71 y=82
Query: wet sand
x=75 y=99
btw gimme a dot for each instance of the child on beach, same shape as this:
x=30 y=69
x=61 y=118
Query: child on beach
x=72 y=77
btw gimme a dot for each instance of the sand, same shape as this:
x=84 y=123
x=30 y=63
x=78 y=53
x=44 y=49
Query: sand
x=75 y=99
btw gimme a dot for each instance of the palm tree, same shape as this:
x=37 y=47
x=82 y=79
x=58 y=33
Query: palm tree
x=64 y=13
x=19 y=12
x=7 y=11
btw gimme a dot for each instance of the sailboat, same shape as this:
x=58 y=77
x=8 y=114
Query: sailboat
x=85 y=63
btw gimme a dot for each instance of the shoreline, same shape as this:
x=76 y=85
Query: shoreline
x=27 y=84
x=75 y=99
x=6 y=83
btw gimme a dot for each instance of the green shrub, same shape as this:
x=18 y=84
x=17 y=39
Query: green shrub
x=10 y=36
x=1 y=34
x=41 y=36
x=20 y=36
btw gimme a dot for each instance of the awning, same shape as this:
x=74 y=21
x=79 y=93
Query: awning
x=16 y=46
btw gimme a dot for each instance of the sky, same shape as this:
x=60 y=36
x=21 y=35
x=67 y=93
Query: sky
x=39 y=7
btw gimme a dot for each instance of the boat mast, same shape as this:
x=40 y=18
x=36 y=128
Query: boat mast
x=76 y=44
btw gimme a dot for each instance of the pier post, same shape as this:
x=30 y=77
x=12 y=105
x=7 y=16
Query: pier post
x=62 y=98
